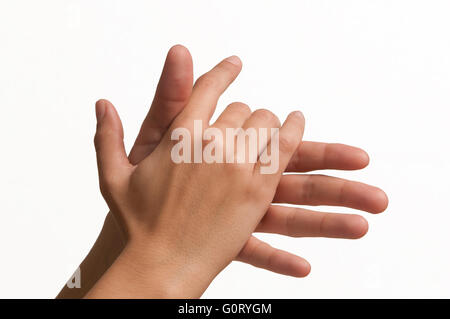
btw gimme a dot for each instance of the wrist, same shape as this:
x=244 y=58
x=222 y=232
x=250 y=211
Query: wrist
x=102 y=255
x=143 y=271
x=163 y=273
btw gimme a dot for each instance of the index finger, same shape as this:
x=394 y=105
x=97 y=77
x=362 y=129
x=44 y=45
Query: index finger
x=209 y=87
x=311 y=156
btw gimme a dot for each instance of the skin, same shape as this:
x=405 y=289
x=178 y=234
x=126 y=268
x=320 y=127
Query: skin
x=172 y=99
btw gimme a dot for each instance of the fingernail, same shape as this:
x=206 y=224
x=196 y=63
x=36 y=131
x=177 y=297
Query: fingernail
x=100 y=109
x=297 y=113
x=234 y=60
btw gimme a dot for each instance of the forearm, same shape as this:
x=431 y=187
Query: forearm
x=102 y=255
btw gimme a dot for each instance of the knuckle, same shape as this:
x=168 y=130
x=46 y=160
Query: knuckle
x=206 y=81
x=106 y=184
x=241 y=168
x=291 y=220
x=105 y=189
x=177 y=123
x=239 y=107
x=110 y=184
x=102 y=135
x=267 y=116
x=262 y=192
x=251 y=191
x=182 y=122
x=286 y=144
x=308 y=190
x=98 y=140
x=255 y=191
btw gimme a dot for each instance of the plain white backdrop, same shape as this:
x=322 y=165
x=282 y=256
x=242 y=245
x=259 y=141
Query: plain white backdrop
x=374 y=74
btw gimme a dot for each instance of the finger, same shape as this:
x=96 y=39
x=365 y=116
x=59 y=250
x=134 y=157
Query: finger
x=262 y=255
x=233 y=116
x=299 y=222
x=173 y=91
x=111 y=155
x=311 y=156
x=281 y=147
x=261 y=118
x=326 y=190
x=208 y=88
x=250 y=142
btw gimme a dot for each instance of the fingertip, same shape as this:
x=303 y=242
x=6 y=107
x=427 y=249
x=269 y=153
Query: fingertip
x=358 y=227
x=356 y=157
x=179 y=62
x=381 y=200
x=235 y=60
x=289 y=264
x=298 y=115
x=297 y=119
x=102 y=102
x=100 y=108
x=178 y=50
x=303 y=268
x=298 y=267
x=363 y=158
x=175 y=84
x=378 y=200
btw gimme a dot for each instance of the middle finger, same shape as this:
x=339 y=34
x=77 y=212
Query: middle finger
x=317 y=190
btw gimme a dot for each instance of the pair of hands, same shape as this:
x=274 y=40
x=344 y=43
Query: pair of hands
x=184 y=223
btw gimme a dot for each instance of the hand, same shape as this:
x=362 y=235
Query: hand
x=172 y=94
x=187 y=221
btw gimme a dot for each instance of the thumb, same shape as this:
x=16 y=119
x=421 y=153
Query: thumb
x=112 y=160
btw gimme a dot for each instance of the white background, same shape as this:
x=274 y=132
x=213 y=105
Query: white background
x=374 y=74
